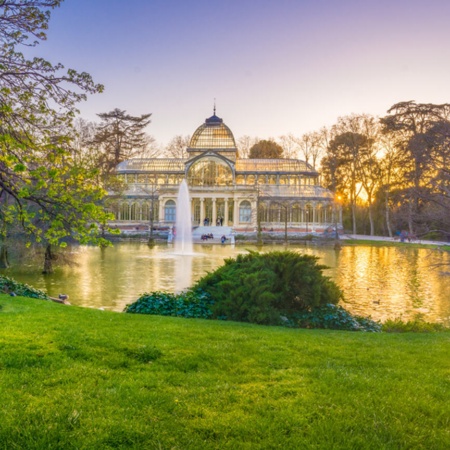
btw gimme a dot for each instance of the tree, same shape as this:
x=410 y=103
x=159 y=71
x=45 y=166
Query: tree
x=320 y=141
x=411 y=123
x=177 y=146
x=120 y=137
x=45 y=190
x=266 y=149
x=244 y=144
x=289 y=143
x=390 y=176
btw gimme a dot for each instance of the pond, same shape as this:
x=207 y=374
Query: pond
x=383 y=282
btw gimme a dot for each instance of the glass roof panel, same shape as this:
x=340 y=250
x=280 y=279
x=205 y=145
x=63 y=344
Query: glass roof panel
x=162 y=165
x=212 y=135
x=273 y=165
x=303 y=191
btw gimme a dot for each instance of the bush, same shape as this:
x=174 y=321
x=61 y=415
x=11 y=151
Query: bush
x=259 y=288
x=335 y=318
x=418 y=325
x=187 y=304
x=8 y=285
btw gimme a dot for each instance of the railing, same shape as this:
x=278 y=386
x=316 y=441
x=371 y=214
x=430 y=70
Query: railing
x=274 y=191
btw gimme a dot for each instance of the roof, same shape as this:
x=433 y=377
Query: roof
x=213 y=134
x=161 y=165
x=273 y=165
x=177 y=165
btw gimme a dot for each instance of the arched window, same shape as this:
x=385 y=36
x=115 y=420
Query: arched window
x=210 y=172
x=240 y=179
x=245 y=212
x=134 y=212
x=170 y=211
x=296 y=213
x=145 y=211
x=124 y=211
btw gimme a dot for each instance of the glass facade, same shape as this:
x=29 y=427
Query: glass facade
x=210 y=172
x=245 y=212
x=170 y=211
x=223 y=188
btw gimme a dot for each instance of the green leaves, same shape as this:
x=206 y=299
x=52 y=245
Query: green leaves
x=41 y=187
x=8 y=285
x=188 y=304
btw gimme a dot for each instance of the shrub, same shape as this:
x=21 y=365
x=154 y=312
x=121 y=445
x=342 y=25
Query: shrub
x=335 y=318
x=418 y=325
x=8 y=285
x=187 y=304
x=259 y=288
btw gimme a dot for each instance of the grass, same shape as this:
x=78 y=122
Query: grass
x=74 y=378
x=393 y=243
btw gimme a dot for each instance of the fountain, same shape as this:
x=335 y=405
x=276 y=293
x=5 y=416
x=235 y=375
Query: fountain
x=183 y=231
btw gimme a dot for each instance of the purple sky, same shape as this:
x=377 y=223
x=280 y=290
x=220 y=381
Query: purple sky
x=274 y=66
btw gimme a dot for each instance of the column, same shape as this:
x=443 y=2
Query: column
x=214 y=213
x=160 y=210
x=225 y=219
x=314 y=217
x=254 y=213
x=202 y=211
x=236 y=213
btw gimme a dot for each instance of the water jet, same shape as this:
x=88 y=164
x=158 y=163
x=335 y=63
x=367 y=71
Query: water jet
x=183 y=230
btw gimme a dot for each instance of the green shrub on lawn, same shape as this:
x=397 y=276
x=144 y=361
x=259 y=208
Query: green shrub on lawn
x=262 y=287
x=186 y=304
x=8 y=285
x=417 y=325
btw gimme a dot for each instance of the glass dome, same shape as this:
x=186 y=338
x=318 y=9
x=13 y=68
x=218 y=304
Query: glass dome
x=213 y=134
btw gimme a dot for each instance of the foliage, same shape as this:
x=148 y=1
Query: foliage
x=89 y=379
x=266 y=149
x=421 y=136
x=418 y=325
x=335 y=317
x=259 y=287
x=42 y=188
x=8 y=285
x=120 y=136
x=187 y=304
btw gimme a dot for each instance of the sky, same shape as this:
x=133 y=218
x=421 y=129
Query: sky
x=274 y=66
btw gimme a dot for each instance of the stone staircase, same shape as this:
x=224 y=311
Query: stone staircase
x=217 y=232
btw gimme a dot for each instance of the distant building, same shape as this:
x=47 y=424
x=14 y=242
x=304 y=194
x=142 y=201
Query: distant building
x=224 y=188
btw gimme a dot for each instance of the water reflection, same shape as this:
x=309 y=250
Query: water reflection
x=384 y=282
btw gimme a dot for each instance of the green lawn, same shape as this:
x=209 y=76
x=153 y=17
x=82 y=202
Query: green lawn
x=74 y=378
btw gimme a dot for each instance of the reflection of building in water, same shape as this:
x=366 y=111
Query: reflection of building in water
x=225 y=189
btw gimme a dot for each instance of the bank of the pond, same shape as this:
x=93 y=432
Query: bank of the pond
x=381 y=281
x=80 y=378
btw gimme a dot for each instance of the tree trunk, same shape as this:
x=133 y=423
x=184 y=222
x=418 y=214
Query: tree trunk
x=354 y=216
x=410 y=216
x=286 y=228
x=151 y=240
x=372 y=228
x=4 y=263
x=387 y=214
x=48 y=257
x=258 y=222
